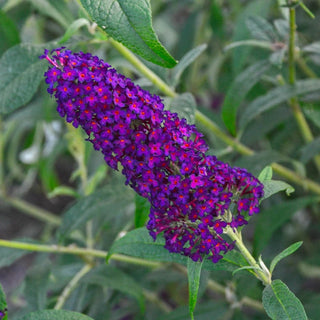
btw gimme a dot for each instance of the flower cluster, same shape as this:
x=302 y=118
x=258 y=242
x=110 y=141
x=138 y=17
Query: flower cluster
x=162 y=156
x=3 y=313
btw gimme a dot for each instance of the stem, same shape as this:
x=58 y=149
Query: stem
x=236 y=145
x=254 y=304
x=294 y=104
x=72 y=285
x=116 y=257
x=75 y=251
x=260 y=274
x=158 y=82
x=32 y=210
x=291 y=57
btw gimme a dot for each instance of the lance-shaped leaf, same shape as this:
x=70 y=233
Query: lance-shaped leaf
x=276 y=96
x=194 y=272
x=291 y=249
x=238 y=90
x=55 y=315
x=281 y=304
x=130 y=23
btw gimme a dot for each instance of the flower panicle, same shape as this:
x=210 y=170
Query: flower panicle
x=162 y=156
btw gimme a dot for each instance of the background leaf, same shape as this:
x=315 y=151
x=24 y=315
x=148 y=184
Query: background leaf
x=21 y=72
x=277 y=96
x=281 y=304
x=36 y=286
x=142 y=211
x=49 y=8
x=261 y=29
x=274 y=217
x=185 y=61
x=130 y=23
x=185 y=105
x=241 y=54
x=108 y=201
x=9 y=33
x=313 y=113
x=138 y=243
x=10 y=255
x=238 y=90
x=112 y=277
x=73 y=28
x=310 y=150
x=55 y=315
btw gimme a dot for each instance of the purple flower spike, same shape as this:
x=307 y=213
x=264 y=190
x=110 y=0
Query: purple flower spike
x=161 y=155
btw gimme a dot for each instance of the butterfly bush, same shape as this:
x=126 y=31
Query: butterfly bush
x=194 y=197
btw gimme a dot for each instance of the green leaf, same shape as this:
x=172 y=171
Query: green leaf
x=55 y=315
x=36 y=285
x=313 y=112
x=109 y=201
x=96 y=178
x=266 y=174
x=310 y=150
x=47 y=8
x=21 y=72
x=194 y=272
x=253 y=8
x=261 y=29
x=216 y=19
x=112 y=277
x=238 y=90
x=259 y=160
x=312 y=48
x=10 y=255
x=291 y=249
x=274 y=217
x=185 y=105
x=9 y=33
x=281 y=304
x=63 y=191
x=138 y=243
x=274 y=186
x=185 y=61
x=3 y=303
x=306 y=9
x=277 y=57
x=245 y=268
x=130 y=23
x=73 y=28
x=277 y=96
x=282 y=27
x=142 y=211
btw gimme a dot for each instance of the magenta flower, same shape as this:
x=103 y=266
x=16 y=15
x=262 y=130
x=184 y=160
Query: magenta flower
x=161 y=155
